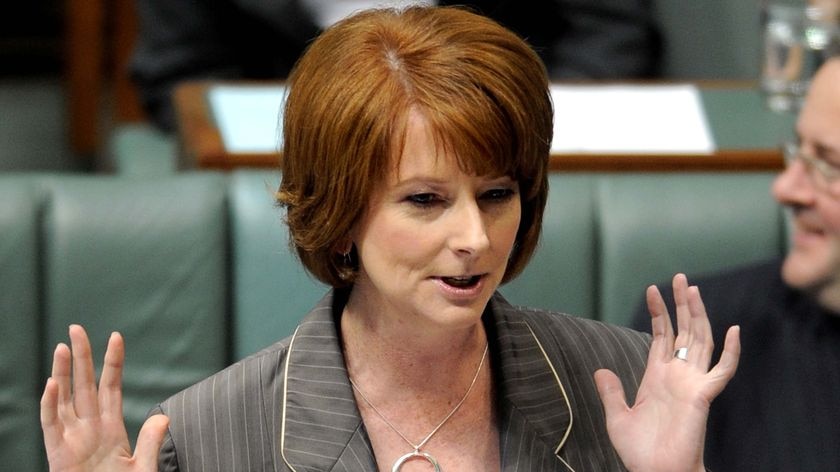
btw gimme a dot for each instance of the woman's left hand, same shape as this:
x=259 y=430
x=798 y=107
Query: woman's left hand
x=665 y=429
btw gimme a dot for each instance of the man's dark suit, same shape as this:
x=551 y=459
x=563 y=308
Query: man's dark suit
x=262 y=39
x=290 y=407
x=780 y=411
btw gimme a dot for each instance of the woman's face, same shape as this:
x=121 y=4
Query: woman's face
x=434 y=243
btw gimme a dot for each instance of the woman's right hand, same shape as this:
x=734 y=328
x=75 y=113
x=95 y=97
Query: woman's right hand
x=83 y=426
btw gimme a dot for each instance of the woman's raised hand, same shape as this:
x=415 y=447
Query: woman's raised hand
x=665 y=429
x=83 y=426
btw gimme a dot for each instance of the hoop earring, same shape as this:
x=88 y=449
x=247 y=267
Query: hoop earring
x=345 y=266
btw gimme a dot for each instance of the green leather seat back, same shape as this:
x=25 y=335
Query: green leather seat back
x=272 y=289
x=561 y=275
x=145 y=257
x=20 y=323
x=711 y=39
x=141 y=150
x=654 y=226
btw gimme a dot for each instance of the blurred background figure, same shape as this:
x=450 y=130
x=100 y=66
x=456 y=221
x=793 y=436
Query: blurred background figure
x=68 y=104
x=31 y=96
x=780 y=412
x=798 y=37
x=244 y=39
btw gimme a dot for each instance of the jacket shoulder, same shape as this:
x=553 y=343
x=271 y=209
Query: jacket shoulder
x=581 y=344
x=223 y=410
x=588 y=335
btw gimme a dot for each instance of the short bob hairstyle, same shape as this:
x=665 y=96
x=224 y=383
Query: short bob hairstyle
x=482 y=89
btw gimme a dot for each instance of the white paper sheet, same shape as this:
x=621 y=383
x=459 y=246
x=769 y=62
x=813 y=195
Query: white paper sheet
x=613 y=119
x=606 y=119
x=249 y=118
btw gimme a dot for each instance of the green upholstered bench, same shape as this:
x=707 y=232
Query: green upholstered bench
x=21 y=353
x=195 y=270
x=606 y=237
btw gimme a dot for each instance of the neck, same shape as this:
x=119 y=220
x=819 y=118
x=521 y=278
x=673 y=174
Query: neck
x=382 y=335
x=826 y=293
x=422 y=385
x=829 y=298
x=402 y=356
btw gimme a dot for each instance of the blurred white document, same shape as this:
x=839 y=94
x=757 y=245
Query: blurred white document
x=606 y=119
x=249 y=118
x=630 y=119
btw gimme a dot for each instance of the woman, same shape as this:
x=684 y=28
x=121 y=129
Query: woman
x=414 y=177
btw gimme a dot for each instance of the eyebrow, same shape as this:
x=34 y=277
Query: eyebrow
x=420 y=179
x=827 y=153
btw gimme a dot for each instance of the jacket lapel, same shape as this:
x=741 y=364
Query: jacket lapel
x=320 y=426
x=536 y=417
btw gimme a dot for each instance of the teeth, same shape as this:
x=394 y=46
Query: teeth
x=460 y=281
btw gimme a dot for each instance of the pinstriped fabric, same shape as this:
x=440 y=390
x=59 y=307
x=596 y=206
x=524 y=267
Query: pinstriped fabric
x=226 y=422
x=290 y=407
x=524 y=449
x=320 y=413
x=358 y=456
x=576 y=348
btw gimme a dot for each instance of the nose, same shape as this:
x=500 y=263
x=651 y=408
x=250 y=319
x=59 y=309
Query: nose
x=794 y=187
x=468 y=229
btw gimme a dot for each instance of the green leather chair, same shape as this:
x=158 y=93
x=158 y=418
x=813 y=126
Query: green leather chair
x=655 y=225
x=195 y=270
x=272 y=289
x=146 y=257
x=20 y=325
x=561 y=276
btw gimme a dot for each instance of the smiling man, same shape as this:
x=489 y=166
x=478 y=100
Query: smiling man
x=810 y=187
x=781 y=411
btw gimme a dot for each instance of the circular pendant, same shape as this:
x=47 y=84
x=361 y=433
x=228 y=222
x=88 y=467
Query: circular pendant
x=411 y=455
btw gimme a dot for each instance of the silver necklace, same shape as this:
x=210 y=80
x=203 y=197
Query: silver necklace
x=417 y=453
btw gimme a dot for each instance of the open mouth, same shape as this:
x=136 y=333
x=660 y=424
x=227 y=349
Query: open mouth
x=810 y=230
x=461 y=282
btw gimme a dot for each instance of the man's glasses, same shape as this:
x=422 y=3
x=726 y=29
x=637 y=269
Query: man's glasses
x=821 y=172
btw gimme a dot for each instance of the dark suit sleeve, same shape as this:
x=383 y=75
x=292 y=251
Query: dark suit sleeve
x=605 y=39
x=728 y=295
x=641 y=317
x=177 y=39
x=212 y=39
x=583 y=39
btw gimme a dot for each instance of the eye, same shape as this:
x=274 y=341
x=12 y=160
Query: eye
x=423 y=199
x=831 y=166
x=499 y=194
x=820 y=162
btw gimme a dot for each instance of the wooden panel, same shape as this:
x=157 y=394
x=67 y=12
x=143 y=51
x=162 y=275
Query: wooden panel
x=85 y=43
x=199 y=139
x=100 y=36
x=126 y=102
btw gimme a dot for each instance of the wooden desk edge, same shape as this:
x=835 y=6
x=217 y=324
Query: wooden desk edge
x=201 y=144
x=730 y=160
x=723 y=160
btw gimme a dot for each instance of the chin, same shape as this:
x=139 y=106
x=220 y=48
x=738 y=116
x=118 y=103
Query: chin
x=471 y=308
x=806 y=271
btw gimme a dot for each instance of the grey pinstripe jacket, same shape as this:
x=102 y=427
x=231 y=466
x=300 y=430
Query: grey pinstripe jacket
x=290 y=407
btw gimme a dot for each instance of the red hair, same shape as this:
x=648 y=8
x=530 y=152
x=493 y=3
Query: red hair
x=483 y=90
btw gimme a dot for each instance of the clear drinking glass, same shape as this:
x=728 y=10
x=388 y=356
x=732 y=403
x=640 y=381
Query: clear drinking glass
x=797 y=40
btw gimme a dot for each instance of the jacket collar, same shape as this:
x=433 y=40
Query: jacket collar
x=321 y=428
x=535 y=409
